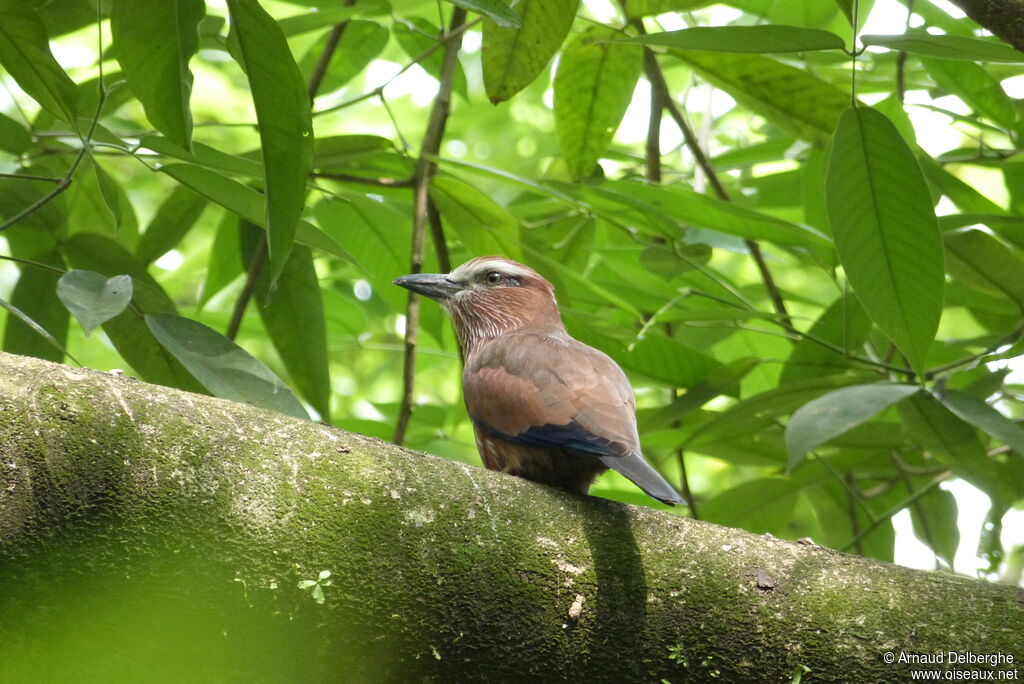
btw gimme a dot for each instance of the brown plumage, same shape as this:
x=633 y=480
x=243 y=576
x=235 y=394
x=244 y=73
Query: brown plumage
x=544 y=405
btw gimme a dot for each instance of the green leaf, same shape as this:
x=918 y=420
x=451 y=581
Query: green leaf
x=224 y=263
x=154 y=42
x=834 y=413
x=326 y=15
x=496 y=10
x=977 y=259
x=659 y=358
x=513 y=57
x=885 y=230
x=415 y=36
x=948 y=47
x=679 y=204
x=955 y=444
x=793 y=99
x=360 y=43
x=593 y=87
x=31 y=297
x=25 y=54
x=482 y=226
x=204 y=155
x=293 y=315
x=126 y=331
x=285 y=125
x=92 y=298
x=14 y=138
x=985 y=418
x=934 y=517
x=16 y=314
x=248 y=204
x=843 y=325
x=224 y=368
x=642 y=8
x=979 y=89
x=761 y=39
x=109 y=193
x=761 y=505
x=178 y=213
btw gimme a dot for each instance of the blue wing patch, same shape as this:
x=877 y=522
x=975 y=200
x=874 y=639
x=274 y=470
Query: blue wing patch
x=569 y=436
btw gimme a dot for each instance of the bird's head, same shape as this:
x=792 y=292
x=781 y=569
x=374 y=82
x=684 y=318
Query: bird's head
x=488 y=296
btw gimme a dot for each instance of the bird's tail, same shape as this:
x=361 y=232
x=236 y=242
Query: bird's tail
x=633 y=466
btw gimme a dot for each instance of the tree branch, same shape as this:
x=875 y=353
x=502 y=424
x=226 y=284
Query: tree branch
x=425 y=170
x=1004 y=18
x=320 y=69
x=132 y=505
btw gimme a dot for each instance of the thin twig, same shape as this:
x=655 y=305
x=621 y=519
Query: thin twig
x=451 y=36
x=425 y=170
x=444 y=262
x=320 y=69
x=657 y=79
x=932 y=484
x=18 y=176
x=259 y=259
x=652 y=149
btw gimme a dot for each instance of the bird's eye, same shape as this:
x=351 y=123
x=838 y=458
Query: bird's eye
x=493 y=278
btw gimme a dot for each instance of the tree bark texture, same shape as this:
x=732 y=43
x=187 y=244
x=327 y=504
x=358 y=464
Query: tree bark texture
x=152 y=534
x=1004 y=18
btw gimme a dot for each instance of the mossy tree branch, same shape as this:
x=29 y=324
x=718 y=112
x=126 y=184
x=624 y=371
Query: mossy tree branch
x=190 y=535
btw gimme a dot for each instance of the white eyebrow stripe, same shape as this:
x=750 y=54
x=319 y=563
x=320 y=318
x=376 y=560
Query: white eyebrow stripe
x=471 y=269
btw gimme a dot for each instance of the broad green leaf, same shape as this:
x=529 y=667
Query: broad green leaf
x=934 y=517
x=759 y=506
x=679 y=204
x=482 y=226
x=513 y=57
x=761 y=39
x=642 y=8
x=593 y=87
x=174 y=218
x=955 y=444
x=415 y=36
x=885 y=230
x=14 y=138
x=325 y=15
x=154 y=42
x=979 y=89
x=657 y=357
x=948 y=47
x=31 y=296
x=985 y=418
x=293 y=315
x=832 y=414
x=92 y=298
x=497 y=11
x=225 y=262
x=25 y=54
x=376 y=235
x=964 y=196
x=793 y=99
x=248 y=204
x=127 y=332
x=109 y=193
x=285 y=125
x=16 y=315
x=204 y=155
x=843 y=326
x=360 y=43
x=224 y=368
x=980 y=260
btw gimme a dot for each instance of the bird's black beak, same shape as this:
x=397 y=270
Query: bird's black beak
x=434 y=285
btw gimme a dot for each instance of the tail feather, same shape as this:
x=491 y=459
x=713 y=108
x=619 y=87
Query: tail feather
x=636 y=469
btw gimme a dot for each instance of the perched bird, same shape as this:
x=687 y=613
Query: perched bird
x=544 y=406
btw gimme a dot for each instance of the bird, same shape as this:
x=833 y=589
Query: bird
x=544 y=406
